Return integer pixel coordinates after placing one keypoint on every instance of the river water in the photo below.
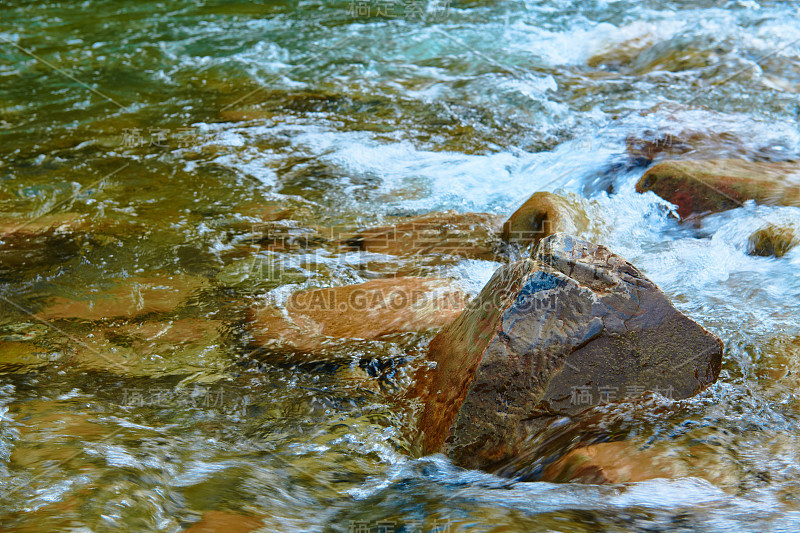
(175, 120)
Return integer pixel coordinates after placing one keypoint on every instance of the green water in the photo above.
(171, 127)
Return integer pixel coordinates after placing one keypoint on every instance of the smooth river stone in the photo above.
(367, 310)
(711, 186)
(625, 462)
(772, 241)
(542, 215)
(473, 235)
(552, 336)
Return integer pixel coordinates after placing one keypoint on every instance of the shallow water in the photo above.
(176, 120)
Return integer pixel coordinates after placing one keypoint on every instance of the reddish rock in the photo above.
(699, 187)
(471, 235)
(544, 214)
(554, 336)
(45, 240)
(363, 311)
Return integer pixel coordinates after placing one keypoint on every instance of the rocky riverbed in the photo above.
(434, 266)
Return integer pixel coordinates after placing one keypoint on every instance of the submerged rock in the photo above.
(624, 462)
(472, 235)
(649, 146)
(150, 348)
(772, 241)
(127, 298)
(21, 227)
(44, 419)
(779, 361)
(699, 187)
(20, 356)
(621, 54)
(608, 462)
(225, 522)
(27, 242)
(544, 214)
(283, 236)
(367, 310)
(35, 241)
(555, 335)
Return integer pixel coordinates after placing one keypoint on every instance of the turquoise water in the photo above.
(167, 125)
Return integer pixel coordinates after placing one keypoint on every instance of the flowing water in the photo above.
(167, 125)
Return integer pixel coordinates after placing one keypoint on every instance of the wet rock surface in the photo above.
(624, 462)
(772, 241)
(151, 348)
(367, 310)
(555, 335)
(148, 348)
(542, 215)
(472, 235)
(699, 187)
(608, 462)
(30, 242)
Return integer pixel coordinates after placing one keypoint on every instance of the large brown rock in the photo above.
(544, 214)
(367, 310)
(552, 336)
(699, 187)
(472, 235)
(621, 54)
